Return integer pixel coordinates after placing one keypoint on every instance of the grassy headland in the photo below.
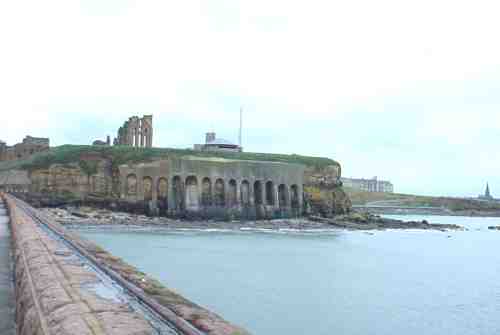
(67, 154)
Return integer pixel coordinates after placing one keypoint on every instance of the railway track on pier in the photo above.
(163, 320)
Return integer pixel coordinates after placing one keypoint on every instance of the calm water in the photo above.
(392, 282)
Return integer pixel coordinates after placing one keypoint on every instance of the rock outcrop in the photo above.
(323, 192)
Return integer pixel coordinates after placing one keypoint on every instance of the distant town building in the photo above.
(29, 146)
(136, 132)
(487, 194)
(212, 143)
(369, 185)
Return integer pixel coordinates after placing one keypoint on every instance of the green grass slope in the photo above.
(66, 154)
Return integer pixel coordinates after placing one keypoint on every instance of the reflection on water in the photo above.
(391, 282)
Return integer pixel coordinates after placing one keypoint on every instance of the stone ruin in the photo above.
(136, 132)
(29, 146)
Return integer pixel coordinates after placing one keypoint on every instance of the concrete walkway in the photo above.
(7, 305)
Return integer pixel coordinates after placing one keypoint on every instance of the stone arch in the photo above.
(206, 192)
(192, 193)
(162, 191)
(283, 195)
(245, 193)
(257, 190)
(147, 185)
(232, 193)
(295, 196)
(93, 184)
(131, 186)
(219, 193)
(270, 193)
(177, 193)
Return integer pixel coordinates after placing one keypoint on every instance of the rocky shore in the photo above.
(365, 221)
(90, 217)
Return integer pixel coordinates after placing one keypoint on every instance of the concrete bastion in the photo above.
(51, 297)
(56, 293)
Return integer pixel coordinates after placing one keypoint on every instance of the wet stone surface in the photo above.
(7, 305)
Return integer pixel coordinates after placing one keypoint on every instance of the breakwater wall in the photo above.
(58, 294)
(54, 292)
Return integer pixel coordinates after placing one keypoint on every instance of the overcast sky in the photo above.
(405, 90)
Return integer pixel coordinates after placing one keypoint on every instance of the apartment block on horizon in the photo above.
(369, 185)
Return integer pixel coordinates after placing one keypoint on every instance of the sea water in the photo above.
(341, 282)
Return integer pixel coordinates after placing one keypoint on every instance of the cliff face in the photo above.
(95, 177)
(323, 192)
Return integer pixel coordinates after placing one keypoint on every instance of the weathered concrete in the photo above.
(196, 187)
(7, 310)
(51, 289)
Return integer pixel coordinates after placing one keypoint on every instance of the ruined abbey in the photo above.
(136, 132)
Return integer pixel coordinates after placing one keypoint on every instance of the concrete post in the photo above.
(170, 195)
(276, 197)
(154, 195)
(251, 193)
(123, 188)
(238, 195)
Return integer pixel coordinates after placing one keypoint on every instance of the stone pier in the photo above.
(54, 292)
(57, 293)
(7, 315)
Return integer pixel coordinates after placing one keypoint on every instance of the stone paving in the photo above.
(7, 303)
(52, 294)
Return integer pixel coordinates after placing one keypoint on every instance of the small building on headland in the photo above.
(28, 147)
(212, 143)
(102, 143)
(369, 185)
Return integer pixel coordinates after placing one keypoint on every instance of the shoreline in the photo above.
(437, 212)
(104, 219)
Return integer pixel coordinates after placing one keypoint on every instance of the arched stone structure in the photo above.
(147, 184)
(270, 194)
(258, 191)
(219, 189)
(178, 194)
(131, 186)
(162, 191)
(192, 194)
(283, 196)
(245, 193)
(219, 194)
(295, 196)
(206, 192)
(232, 194)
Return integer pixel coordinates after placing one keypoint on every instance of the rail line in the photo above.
(163, 319)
